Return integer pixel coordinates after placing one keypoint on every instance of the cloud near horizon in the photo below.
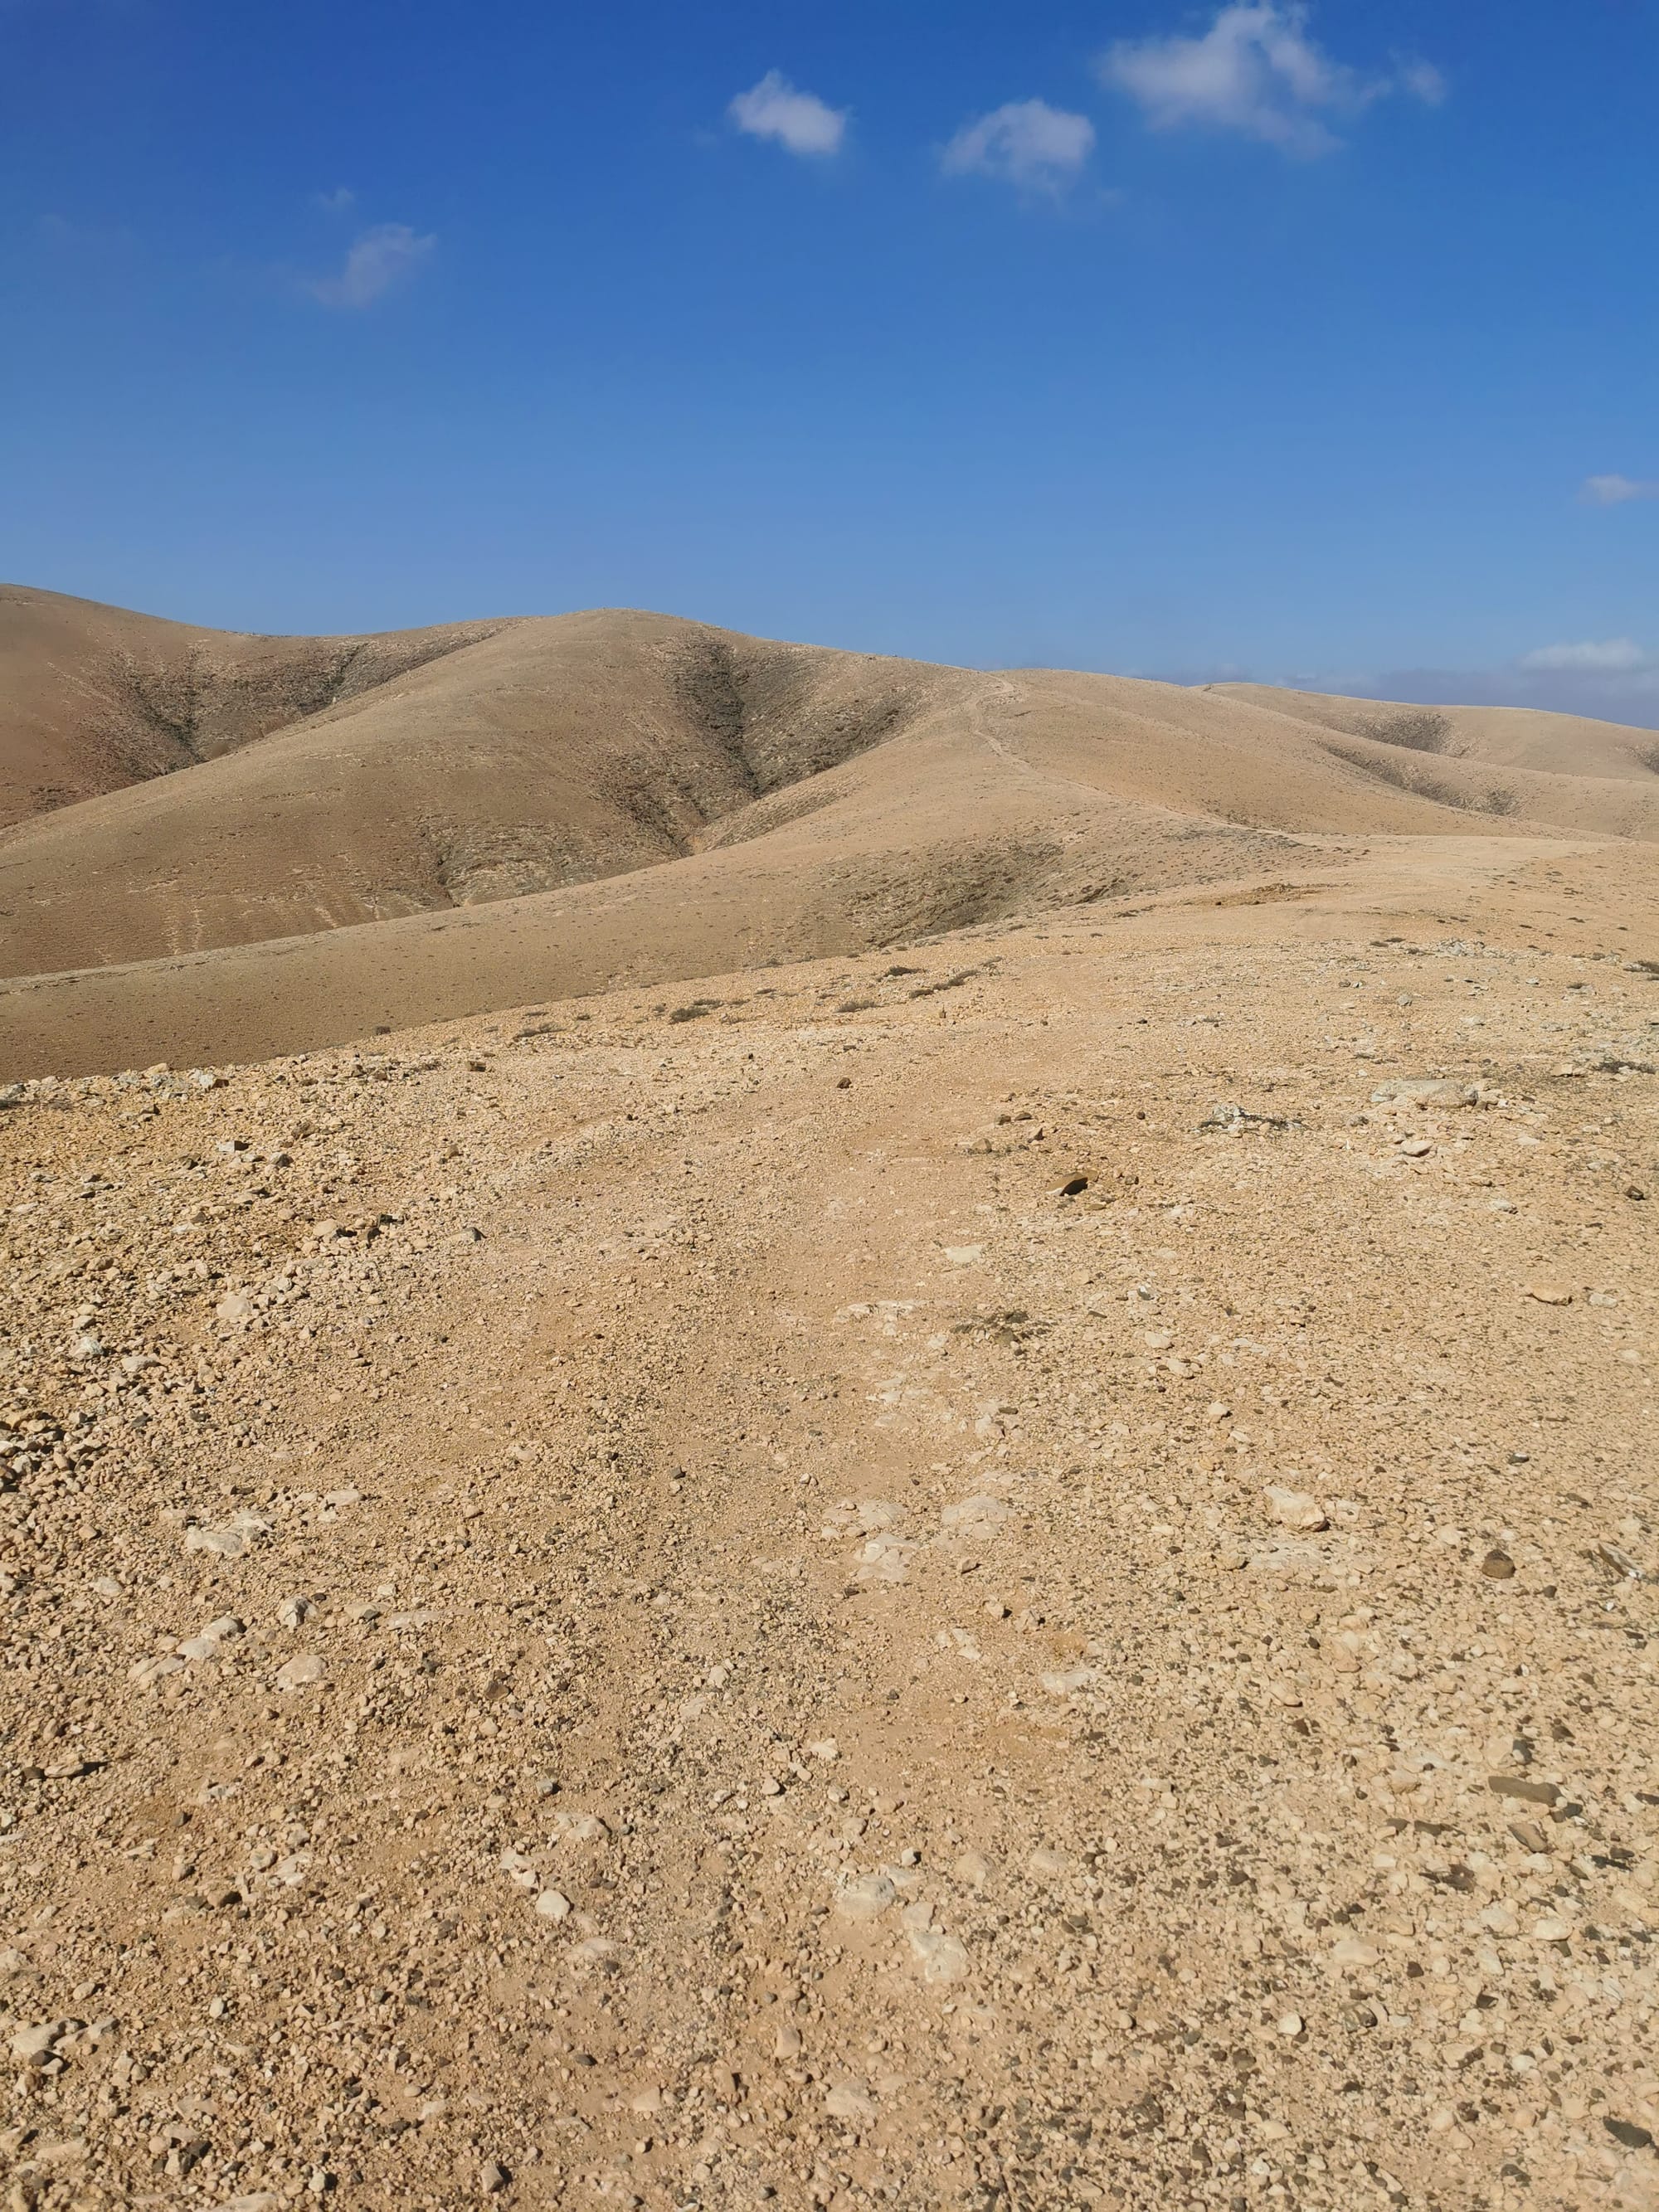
(1615, 491)
(1612, 656)
(1024, 143)
(377, 260)
(1257, 71)
(799, 121)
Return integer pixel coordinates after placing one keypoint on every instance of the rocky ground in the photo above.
(1016, 1575)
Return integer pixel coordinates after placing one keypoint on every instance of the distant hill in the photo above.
(483, 815)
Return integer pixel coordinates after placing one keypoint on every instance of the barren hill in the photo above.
(95, 698)
(1499, 737)
(567, 803)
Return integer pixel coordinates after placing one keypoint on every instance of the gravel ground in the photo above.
(1014, 1577)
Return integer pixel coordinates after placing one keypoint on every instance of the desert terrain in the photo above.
(781, 1429)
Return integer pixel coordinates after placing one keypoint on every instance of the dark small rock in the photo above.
(1627, 2132)
(1497, 1567)
(1533, 1793)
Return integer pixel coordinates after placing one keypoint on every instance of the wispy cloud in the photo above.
(1613, 491)
(340, 201)
(1025, 143)
(1257, 70)
(1608, 656)
(378, 260)
(799, 121)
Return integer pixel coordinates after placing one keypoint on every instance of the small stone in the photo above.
(1530, 1793)
(825, 1749)
(1351, 1952)
(1416, 1148)
(1289, 2024)
(1549, 1294)
(1158, 1339)
(553, 1905)
(1629, 2134)
(492, 2177)
(299, 1672)
(1497, 1567)
(787, 2043)
(1552, 1928)
(973, 1868)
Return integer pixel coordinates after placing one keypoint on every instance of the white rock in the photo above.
(976, 1517)
(1351, 1952)
(299, 1672)
(519, 1870)
(850, 2101)
(553, 1905)
(230, 1541)
(36, 2044)
(1068, 1682)
(206, 1642)
(1294, 1509)
(866, 1897)
(943, 1958)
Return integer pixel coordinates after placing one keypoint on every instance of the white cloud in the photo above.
(1424, 82)
(1026, 142)
(799, 121)
(1256, 70)
(340, 201)
(1613, 491)
(1610, 656)
(377, 259)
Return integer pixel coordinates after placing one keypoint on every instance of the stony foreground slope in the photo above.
(1014, 1577)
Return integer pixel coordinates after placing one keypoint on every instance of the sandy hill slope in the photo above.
(1012, 1579)
(578, 801)
(1500, 737)
(93, 698)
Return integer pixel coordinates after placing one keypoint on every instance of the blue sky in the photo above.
(1315, 345)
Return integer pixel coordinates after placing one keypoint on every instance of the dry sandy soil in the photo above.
(1006, 1568)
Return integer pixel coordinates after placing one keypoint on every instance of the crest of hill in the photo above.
(95, 698)
(1500, 737)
